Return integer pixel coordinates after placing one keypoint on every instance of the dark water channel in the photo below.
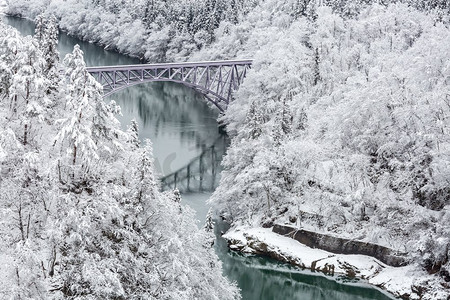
(184, 132)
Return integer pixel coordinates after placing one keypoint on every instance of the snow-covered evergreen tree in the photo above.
(76, 137)
(46, 33)
(350, 135)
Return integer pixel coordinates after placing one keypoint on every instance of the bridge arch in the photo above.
(213, 97)
(216, 80)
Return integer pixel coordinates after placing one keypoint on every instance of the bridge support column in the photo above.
(175, 180)
(213, 166)
(201, 171)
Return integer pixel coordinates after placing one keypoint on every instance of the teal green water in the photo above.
(182, 127)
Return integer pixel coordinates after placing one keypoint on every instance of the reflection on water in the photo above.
(202, 173)
(97, 55)
(176, 119)
(182, 128)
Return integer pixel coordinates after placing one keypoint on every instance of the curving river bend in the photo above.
(184, 132)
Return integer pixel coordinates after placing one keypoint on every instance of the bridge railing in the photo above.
(216, 80)
(240, 62)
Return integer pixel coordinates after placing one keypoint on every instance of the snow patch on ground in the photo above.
(398, 281)
(2, 6)
(5, 262)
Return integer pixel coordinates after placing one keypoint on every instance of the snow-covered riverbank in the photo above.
(405, 282)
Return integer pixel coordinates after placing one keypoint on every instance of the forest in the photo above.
(81, 212)
(341, 127)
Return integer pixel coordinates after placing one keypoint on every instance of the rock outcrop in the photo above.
(342, 246)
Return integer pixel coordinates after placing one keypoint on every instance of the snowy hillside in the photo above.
(341, 127)
(81, 213)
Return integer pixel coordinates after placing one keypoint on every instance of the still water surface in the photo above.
(184, 131)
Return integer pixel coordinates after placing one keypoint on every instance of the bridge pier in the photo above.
(201, 172)
(189, 178)
(213, 159)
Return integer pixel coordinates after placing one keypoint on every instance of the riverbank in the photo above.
(407, 282)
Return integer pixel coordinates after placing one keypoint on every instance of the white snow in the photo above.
(2, 6)
(365, 100)
(28, 257)
(397, 281)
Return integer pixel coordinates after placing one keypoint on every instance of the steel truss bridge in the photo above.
(216, 80)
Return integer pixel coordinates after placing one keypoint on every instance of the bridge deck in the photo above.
(240, 62)
(216, 80)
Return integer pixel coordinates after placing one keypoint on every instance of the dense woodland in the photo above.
(343, 124)
(342, 127)
(173, 30)
(81, 214)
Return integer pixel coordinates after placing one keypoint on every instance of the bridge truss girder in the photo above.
(215, 80)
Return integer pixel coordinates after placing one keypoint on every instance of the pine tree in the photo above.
(133, 133)
(49, 44)
(28, 84)
(39, 29)
(286, 117)
(11, 46)
(254, 121)
(150, 13)
(76, 135)
(234, 11)
(24, 185)
(145, 181)
(209, 228)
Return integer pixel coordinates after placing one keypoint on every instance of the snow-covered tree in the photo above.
(28, 86)
(76, 136)
(341, 125)
(46, 33)
(88, 221)
(350, 135)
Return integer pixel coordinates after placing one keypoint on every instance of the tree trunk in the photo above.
(20, 222)
(28, 226)
(74, 154)
(52, 262)
(74, 160)
(18, 282)
(25, 134)
(14, 104)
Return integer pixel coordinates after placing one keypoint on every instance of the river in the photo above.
(184, 131)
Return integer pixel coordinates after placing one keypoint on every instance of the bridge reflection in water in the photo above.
(202, 173)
